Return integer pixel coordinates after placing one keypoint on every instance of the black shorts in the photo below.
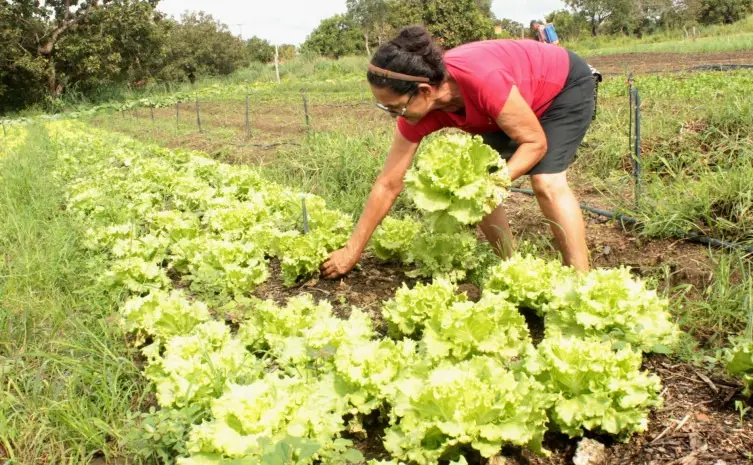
(565, 122)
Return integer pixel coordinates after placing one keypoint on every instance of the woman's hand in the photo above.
(340, 262)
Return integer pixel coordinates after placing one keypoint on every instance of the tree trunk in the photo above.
(366, 41)
(594, 27)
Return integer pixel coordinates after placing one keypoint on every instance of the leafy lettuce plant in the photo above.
(598, 389)
(476, 403)
(526, 280)
(738, 360)
(459, 176)
(611, 304)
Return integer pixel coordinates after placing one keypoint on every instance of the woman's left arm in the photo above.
(520, 123)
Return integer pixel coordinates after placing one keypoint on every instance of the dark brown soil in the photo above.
(644, 63)
(366, 287)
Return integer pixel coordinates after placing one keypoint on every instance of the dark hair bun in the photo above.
(415, 39)
(412, 52)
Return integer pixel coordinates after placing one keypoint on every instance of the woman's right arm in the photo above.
(387, 187)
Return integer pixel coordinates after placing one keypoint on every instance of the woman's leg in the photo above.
(559, 206)
(496, 228)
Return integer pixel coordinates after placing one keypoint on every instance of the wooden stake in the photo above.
(306, 111)
(277, 62)
(198, 113)
(248, 120)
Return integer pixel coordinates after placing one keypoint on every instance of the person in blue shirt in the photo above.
(545, 32)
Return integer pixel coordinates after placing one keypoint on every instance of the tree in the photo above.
(23, 72)
(371, 16)
(723, 11)
(485, 7)
(598, 11)
(201, 45)
(50, 47)
(335, 37)
(286, 51)
(452, 22)
(121, 43)
(508, 28)
(260, 50)
(570, 25)
(46, 23)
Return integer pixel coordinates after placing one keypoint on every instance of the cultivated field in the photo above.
(161, 299)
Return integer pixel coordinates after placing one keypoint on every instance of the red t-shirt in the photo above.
(486, 72)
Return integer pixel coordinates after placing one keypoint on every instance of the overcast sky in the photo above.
(290, 21)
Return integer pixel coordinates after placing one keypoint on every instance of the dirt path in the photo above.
(644, 63)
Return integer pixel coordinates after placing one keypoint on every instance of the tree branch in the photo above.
(46, 48)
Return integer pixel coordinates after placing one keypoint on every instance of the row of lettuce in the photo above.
(11, 139)
(187, 239)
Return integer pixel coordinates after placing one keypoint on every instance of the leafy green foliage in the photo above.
(260, 50)
(272, 408)
(452, 22)
(526, 280)
(477, 403)
(394, 238)
(723, 11)
(137, 275)
(162, 434)
(444, 254)
(451, 176)
(451, 327)
(738, 360)
(294, 378)
(598, 389)
(201, 45)
(302, 334)
(221, 269)
(611, 303)
(163, 314)
(410, 308)
(452, 253)
(335, 37)
(194, 368)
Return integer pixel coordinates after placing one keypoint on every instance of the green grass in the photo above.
(726, 38)
(68, 379)
(339, 167)
(725, 307)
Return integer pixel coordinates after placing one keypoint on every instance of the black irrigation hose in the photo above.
(694, 237)
(723, 67)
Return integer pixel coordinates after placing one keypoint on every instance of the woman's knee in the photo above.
(550, 186)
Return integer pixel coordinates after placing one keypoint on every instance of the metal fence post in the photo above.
(630, 106)
(637, 160)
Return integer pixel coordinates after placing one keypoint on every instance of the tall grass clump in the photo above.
(67, 382)
(340, 167)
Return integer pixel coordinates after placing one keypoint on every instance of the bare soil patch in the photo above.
(644, 63)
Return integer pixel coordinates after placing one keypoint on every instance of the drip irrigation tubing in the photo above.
(694, 237)
(722, 67)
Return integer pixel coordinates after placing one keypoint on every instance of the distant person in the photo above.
(545, 32)
(531, 102)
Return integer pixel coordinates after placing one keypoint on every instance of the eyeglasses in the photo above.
(395, 112)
